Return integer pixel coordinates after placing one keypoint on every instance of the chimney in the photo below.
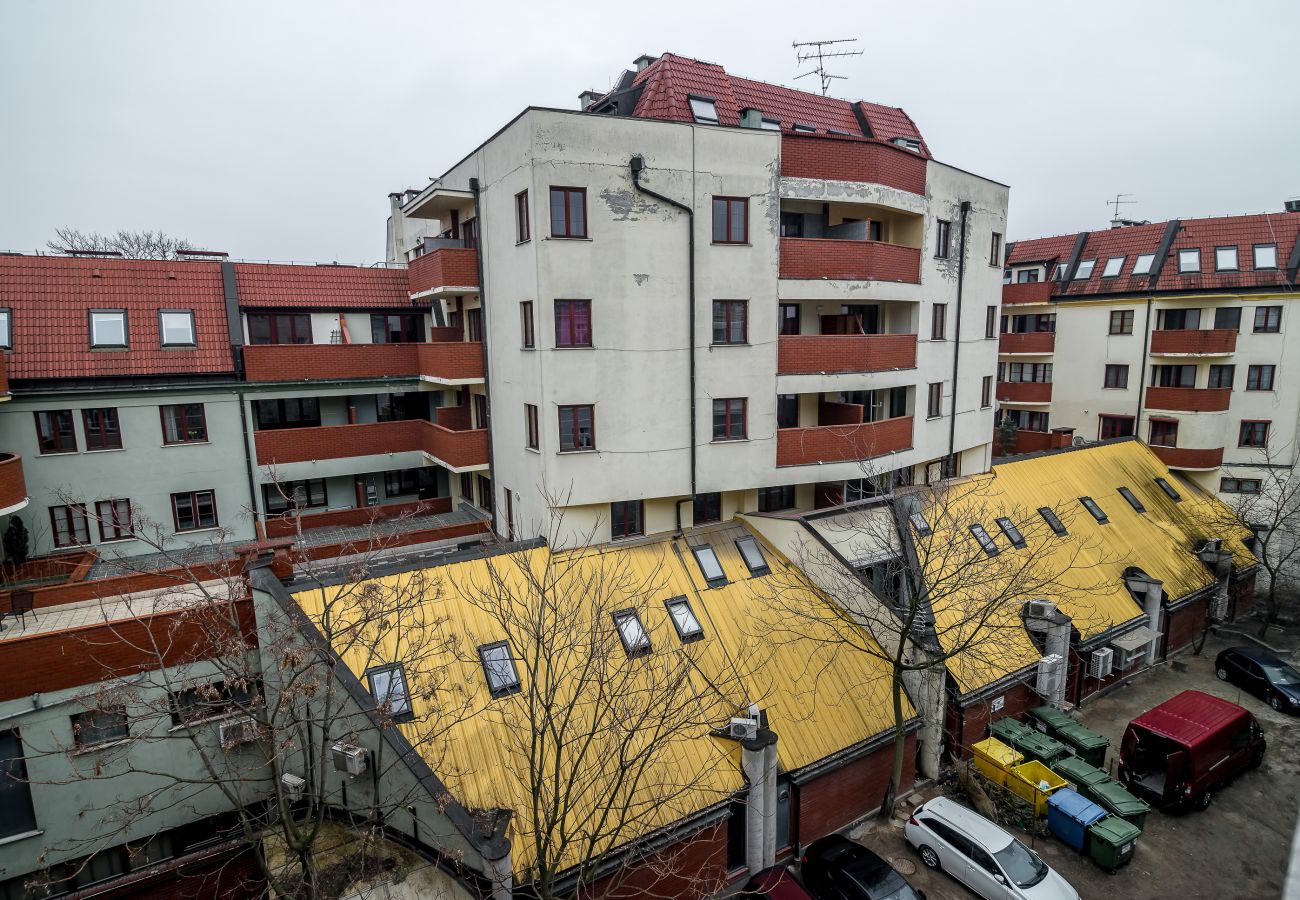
(642, 61)
(586, 98)
(1062, 437)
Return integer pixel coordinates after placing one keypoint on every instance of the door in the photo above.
(983, 874)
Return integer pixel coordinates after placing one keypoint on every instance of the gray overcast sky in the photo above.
(275, 129)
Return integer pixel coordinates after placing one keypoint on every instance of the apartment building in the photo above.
(704, 295)
(1177, 334)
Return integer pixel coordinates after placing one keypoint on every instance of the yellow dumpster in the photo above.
(1035, 782)
(994, 760)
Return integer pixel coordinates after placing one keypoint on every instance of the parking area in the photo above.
(1238, 848)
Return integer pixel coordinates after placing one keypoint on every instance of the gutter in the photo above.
(474, 188)
(956, 347)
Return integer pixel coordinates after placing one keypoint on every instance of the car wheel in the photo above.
(1275, 703)
(1256, 758)
(929, 857)
(1203, 801)
(1222, 674)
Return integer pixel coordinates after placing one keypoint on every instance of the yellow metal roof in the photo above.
(1081, 572)
(482, 757)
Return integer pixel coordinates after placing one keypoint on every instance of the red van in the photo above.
(1183, 750)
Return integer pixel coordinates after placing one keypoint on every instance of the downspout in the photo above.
(482, 302)
(1142, 368)
(637, 165)
(956, 347)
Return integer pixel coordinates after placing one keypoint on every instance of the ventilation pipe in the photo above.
(1151, 592)
(1043, 618)
(1220, 563)
(758, 762)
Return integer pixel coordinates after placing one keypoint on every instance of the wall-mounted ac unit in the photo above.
(742, 729)
(294, 786)
(1040, 609)
(234, 732)
(1101, 663)
(350, 759)
(1051, 676)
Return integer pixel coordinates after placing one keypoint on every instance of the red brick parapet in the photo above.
(828, 258)
(1029, 342)
(301, 362)
(1024, 391)
(290, 445)
(1027, 292)
(444, 267)
(1194, 340)
(1189, 399)
(1190, 457)
(811, 354)
(13, 487)
(836, 158)
(283, 525)
(842, 443)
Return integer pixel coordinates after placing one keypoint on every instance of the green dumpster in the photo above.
(1112, 797)
(1007, 730)
(1081, 776)
(1033, 744)
(1111, 842)
(1087, 745)
(1049, 719)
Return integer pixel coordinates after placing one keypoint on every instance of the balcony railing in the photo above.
(285, 524)
(450, 361)
(1217, 341)
(13, 486)
(1025, 391)
(1027, 292)
(812, 354)
(842, 443)
(1189, 457)
(1029, 342)
(852, 159)
(445, 270)
(829, 258)
(457, 448)
(1189, 399)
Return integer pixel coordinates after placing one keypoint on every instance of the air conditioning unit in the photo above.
(234, 732)
(1101, 663)
(742, 729)
(294, 786)
(350, 759)
(1051, 676)
(1040, 609)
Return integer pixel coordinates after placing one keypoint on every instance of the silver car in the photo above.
(981, 855)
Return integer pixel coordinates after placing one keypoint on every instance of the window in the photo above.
(474, 324)
(1053, 521)
(1114, 266)
(938, 321)
(176, 327)
(1227, 318)
(68, 525)
(1132, 499)
(934, 401)
(521, 217)
(1116, 376)
(1260, 378)
(770, 124)
(636, 642)
(1084, 272)
(54, 431)
(1253, 434)
(626, 519)
(208, 701)
(194, 509)
(568, 212)
(102, 429)
(707, 508)
(991, 322)
(1121, 321)
(1026, 420)
(1012, 533)
(684, 620)
(17, 816)
(529, 338)
(729, 419)
(306, 494)
(108, 328)
(1222, 376)
(1178, 319)
(183, 423)
(573, 323)
(775, 499)
(1169, 490)
(499, 669)
(1027, 276)
(397, 328)
(730, 220)
(279, 328)
(1115, 427)
(752, 554)
(577, 428)
(942, 239)
(789, 316)
(730, 321)
(1239, 485)
(1173, 376)
(401, 482)
(291, 412)
(100, 726)
(986, 392)
(1142, 265)
(1037, 373)
(114, 517)
(389, 688)
(1225, 259)
(6, 328)
(704, 110)
(1164, 433)
(995, 250)
(1091, 506)
(986, 542)
(1058, 274)
(531, 437)
(709, 565)
(1268, 319)
(804, 129)
(1265, 256)
(1189, 261)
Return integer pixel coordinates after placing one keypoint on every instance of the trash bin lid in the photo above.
(1052, 716)
(1119, 800)
(1077, 770)
(1081, 737)
(1039, 744)
(1076, 806)
(1114, 830)
(999, 752)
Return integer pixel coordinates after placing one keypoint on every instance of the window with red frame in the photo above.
(1253, 434)
(1260, 378)
(730, 321)
(54, 431)
(1116, 376)
(526, 324)
(573, 323)
(577, 427)
(474, 324)
(986, 392)
(102, 429)
(568, 212)
(530, 427)
(939, 322)
(114, 518)
(68, 525)
(1114, 426)
(397, 328)
(626, 519)
(1268, 319)
(934, 400)
(192, 510)
(521, 217)
(730, 220)
(990, 322)
(729, 419)
(183, 423)
(1164, 433)
(279, 328)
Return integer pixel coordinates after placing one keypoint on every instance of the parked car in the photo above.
(836, 868)
(776, 883)
(980, 855)
(1262, 674)
(1182, 751)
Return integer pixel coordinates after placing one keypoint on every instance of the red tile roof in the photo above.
(51, 296)
(323, 287)
(670, 81)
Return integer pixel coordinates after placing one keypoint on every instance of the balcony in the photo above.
(1189, 399)
(835, 158)
(837, 259)
(452, 362)
(816, 354)
(1024, 391)
(13, 487)
(283, 525)
(1194, 342)
(1190, 458)
(1028, 292)
(842, 443)
(458, 450)
(1029, 342)
(444, 271)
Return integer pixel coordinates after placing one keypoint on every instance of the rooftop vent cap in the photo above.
(1293, 205)
(642, 61)
(586, 98)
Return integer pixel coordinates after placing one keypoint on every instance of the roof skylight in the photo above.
(1169, 490)
(631, 632)
(709, 565)
(1265, 256)
(752, 554)
(704, 110)
(918, 522)
(1013, 535)
(1132, 499)
(1053, 521)
(985, 539)
(499, 667)
(1084, 271)
(1091, 506)
(1114, 266)
(1142, 265)
(1225, 259)
(684, 620)
(1189, 261)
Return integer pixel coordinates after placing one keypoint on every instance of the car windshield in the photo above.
(1021, 864)
(1282, 674)
(883, 883)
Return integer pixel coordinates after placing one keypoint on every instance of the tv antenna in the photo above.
(819, 53)
(1118, 202)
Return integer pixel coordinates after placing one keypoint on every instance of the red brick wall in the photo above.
(448, 267)
(854, 260)
(1024, 391)
(962, 731)
(456, 448)
(1185, 625)
(811, 353)
(1029, 292)
(843, 795)
(1029, 342)
(454, 417)
(841, 443)
(830, 412)
(442, 334)
(294, 362)
(452, 360)
(1190, 457)
(694, 868)
(286, 445)
(1198, 340)
(852, 159)
(1189, 399)
(227, 876)
(279, 526)
(1081, 685)
(13, 487)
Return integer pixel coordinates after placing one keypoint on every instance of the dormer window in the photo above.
(707, 559)
(704, 110)
(176, 327)
(1091, 506)
(1014, 537)
(108, 328)
(684, 620)
(907, 144)
(388, 687)
(1189, 261)
(770, 124)
(1114, 266)
(803, 129)
(1142, 265)
(1053, 521)
(499, 668)
(1084, 272)
(1058, 274)
(986, 541)
(632, 633)
(753, 555)
(1169, 490)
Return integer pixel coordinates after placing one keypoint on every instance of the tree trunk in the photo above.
(900, 751)
(1270, 605)
(308, 888)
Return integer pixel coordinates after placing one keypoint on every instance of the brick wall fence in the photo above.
(799, 354)
(852, 159)
(850, 260)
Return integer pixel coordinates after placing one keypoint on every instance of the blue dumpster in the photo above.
(1069, 814)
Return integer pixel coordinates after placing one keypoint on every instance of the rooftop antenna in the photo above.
(819, 53)
(1117, 203)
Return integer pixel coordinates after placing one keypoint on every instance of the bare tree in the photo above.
(131, 244)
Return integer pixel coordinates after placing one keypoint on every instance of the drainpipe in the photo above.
(956, 346)
(637, 165)
(482, 302)
(1142, 370)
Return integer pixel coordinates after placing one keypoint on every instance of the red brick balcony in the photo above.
(1190, 458)
(1211, 342)
(300, 362)
(1028, 292)
(852, 159)
(1189, 399)
(842, 443)
(13, 487)
(449, 269)
(283, 525)
(1030, 342)
(827, 258)
(812, 354)
(457, 448)
(1024, 391)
